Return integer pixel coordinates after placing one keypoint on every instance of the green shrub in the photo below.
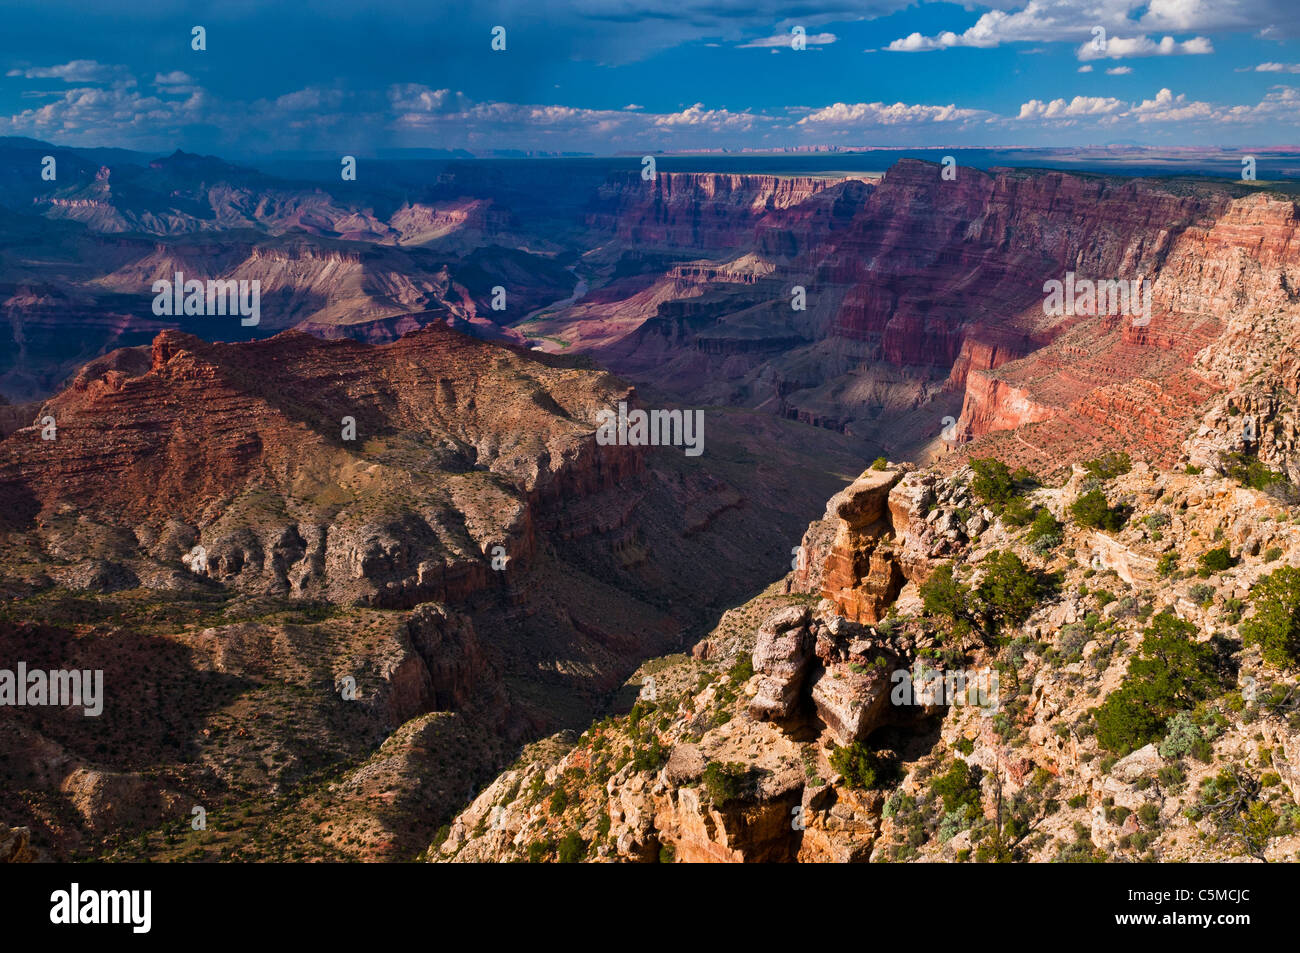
(958, 787)
(1044, 524)
(725, 782)
(1072, 639)
(1117, 815)
(880, 463)
(956, 822)
(1109, 465)
(1093, 511)
(651, 757)
(1172, 776)
(1232, 801)
(942, 595)
(1181, 736)
(1272, 554)
(1125, 724)
(1008, 590)
(1023, 476)
(559, 801)
(1006, 595)
(1275, 626)
(1171, 673)
(1215, 560)
(1167, 565)
(992, 483)
(742, 671)
(572, 848)
(1250, 471)
(898, 803)
(1156, 521)
(1044, 545)
(1017, 512)
(1045, 532)
(862, 767)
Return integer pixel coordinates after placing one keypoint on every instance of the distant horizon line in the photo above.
(431, 152)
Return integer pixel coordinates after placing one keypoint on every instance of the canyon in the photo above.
(237, 530)
(922, 298)
(344, 566)
(782, 736)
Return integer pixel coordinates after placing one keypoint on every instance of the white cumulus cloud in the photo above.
(1076, 107)
(1120, 47)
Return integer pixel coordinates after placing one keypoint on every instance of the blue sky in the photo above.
(608, 76)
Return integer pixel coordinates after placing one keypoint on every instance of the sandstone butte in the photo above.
(473, 562)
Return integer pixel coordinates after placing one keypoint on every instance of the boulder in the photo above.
(783, 652)
(685, 765)
(851, 703)
(1142, 763)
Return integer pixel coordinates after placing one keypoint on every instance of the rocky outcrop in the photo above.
(16, 847)
(204, 431)
(861, 576)
(701, 211)
(1286, 757)
(926, 513)
(447, 669)
(710, 775)
(851, 688)
(887, 529)
(753, 826)
(829, 666)
(1132, 567)
(782, 657)
(892, 527)
(993, 404)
